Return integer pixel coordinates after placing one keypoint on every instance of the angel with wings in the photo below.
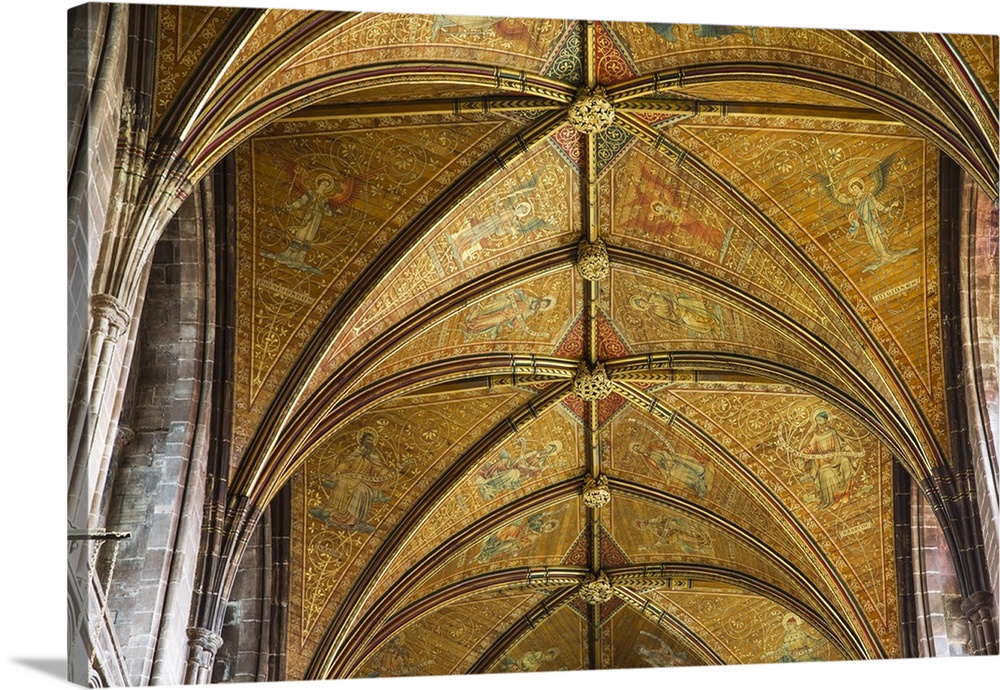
(863, 197)
(323, 198)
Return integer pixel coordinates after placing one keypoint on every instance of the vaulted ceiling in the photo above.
(581, 344)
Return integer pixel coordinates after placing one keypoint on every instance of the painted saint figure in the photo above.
(530, 661)
(690, 313)
(510, 539)
(672, 531)
(662, 214)
(513, 217)
(482, 27)
(355, 484)
(798, 645)
(828, 460)
(394, 660)
(507, 311)
(674, 466)
(507, 473)
(669, 32)
(662, 657)
(867, 209)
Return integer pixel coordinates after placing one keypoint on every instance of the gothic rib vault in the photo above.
(580, 345)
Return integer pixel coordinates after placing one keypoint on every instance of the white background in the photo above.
(32, 532)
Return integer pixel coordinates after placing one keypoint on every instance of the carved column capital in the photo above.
(979, 610)
(596, 492)
(205, 639)
(592, 384)
(592, 259)
(202, 646)
(109, 314)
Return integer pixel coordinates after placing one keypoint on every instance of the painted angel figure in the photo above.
(323, 198)
(863, 198)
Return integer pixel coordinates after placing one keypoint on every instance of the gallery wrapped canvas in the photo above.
(411, 344)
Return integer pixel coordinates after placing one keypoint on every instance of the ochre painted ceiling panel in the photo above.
(770, 322)
(312, 212)
(528, 208)
(532, 315)
(978, 85)
(659, 47)
(184, 35)
(982, 53)
(558, 643)
(660, 209)
(642, 451)
(631, 641)
(537, 536)
(352, 491)
(861, 203)
(746, 628)
(657, 315)
(448, 639)
(387, 39)
(828, 470)
(768, 92)
(651, 533)
(548, 451)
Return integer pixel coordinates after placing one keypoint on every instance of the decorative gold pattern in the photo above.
(746, 628)
(597, 590)
(353, 488)
(596, 493)
(591, 112)
(805, 242)
(592, 260)
(592, 383)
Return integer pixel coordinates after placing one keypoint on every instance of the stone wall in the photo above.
(244, 653)
(942, 629)
(981, 340)
(95, 77)
(158, 480)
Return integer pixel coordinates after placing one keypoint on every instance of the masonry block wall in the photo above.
(95, 76)
(942, 629)
(981, 317)
(96, 57)
(159, 476)
(243, 657)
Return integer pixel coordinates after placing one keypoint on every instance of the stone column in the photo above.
(203, 644)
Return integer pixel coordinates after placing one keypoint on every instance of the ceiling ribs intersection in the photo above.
(592, 261)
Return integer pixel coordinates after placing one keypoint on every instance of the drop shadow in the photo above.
(50, 667)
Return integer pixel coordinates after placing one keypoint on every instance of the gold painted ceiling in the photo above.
(500, 461)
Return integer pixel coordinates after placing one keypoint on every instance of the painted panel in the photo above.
(351, 492)
(311, 215)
